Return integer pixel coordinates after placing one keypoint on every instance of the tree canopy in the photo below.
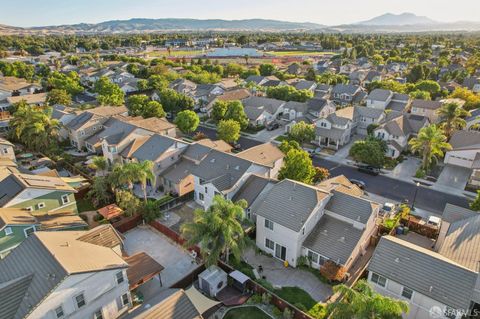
(187, 121)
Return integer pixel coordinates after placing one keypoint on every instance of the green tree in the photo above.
(175, 102)
(289, 93)
(99, 192)
(141, 105)
(267, 69)
(472, 100)
(362, 301)
(128, 202)
(370, 151)
(218, 110)
(100, 164)
(297, 165)
(321, 174)
(420, 95)
(59, 96)
(302, 132)
(218, 230)
(69, 82)
(236, 112)
(452, 118)
(109, 93)
(286, 146)
(187, 121)
(228, 130)
(431, 143)
(475, 205)
(429, 86)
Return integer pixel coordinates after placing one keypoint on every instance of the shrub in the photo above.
(266, 298)
(277, 312)
(420, 173)
(255, 299)
(287, 313)
(318, 311)
(332, 271)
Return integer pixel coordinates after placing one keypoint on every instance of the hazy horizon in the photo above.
(27, 13)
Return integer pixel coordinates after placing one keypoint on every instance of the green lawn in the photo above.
(296, 296)
(84, 205)
(246, 313)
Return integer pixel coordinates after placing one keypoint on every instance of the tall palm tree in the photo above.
(144, 172)
(125, 174)
(99, 163)
(452, 118)
(431, 142)
(362, 301)
(218, 230)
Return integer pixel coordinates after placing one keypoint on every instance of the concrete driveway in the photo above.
(175, 259)
(406, 169)
(454, 176)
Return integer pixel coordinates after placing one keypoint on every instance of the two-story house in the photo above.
(347, 94)
(379, 99)
(432, 284)
(13, 86)
(262, 110)
(397, 129)
(66, 274)
(426, 108)
(6, 150)
(335, 130)
(367, 116)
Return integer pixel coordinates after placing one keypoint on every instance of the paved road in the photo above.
(427, 199)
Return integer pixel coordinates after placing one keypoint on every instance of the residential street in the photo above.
(428, 199)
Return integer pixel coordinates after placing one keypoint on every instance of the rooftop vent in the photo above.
(342, 239)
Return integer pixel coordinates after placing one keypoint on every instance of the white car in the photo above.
(388, 209)
(434, 221)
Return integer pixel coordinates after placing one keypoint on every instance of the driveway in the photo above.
(268, 136)
(406, 169)
(278, 275)
(454, 176)
(175, 259)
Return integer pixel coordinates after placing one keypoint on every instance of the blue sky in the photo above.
(55, 12)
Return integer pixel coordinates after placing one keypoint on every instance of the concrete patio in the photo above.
(279, 276)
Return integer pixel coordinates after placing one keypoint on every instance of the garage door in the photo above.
(459, 161)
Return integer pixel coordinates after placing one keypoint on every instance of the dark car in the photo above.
(369, 170)
(359, 183)
(272, 126)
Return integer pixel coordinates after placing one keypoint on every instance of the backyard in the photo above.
(246, 313)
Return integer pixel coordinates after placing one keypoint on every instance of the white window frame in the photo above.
(29, 208)
(56, 313)
(128, 299)
(201, 196)
(28, 228)
(95, 316)
(8, 231)
(377, 281)
(271, 241)
(76, 301)
(65, 199)
(41, 205)
(411, 294)
(268, 224)
(311, 254)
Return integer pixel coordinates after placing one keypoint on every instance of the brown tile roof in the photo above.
(141, 268)
(342, 184)
(11, 83)
(218, 145)
(38, 98)
(110, 211)
(153, 124)
(265, 154)
(16, 216)
(103, 235)
(233, 95)
(108, 110)
(61, 221)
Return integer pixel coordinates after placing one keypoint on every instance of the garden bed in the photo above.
(249, 312)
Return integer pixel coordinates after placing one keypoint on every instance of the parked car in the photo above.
(272, 126)
(388, 209)
(369, 170)
(359, 183)
(310, 151)
(434, 221)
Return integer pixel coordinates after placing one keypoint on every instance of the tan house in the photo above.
(6, 150)
(426, 108)
(267, 155)
(31, 99)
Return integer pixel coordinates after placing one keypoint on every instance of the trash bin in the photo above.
(399, 230)
(405, 230)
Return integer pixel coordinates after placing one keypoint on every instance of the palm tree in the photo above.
(125, 174)
(246, 57)
(218, 230)
(99, 163)
(431, 142)
(144, 172)
(451, 117)
(362, 301)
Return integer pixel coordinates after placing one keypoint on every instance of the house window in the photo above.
(82, 133)
(269, 244)
(407, 293)
(124, 299)
(65, 199)
(5, 151)
(206, 190)
(59, 312)
(379, 280)
(28, 231)
(41, 205)
(268, 224)
(8, 231)
(200, 196)
(323, 124)
(30, 208)
(80, 301)
(119, 276)
(98, 314)
(313, 256)
(322, 260)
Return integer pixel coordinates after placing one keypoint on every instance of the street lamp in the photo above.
(415, 195)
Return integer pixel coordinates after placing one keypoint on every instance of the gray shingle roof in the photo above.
(380, 95)
(9, 188)
(424, 271)
(270, 105)
(179, 170)
(453, 213)
(423, 104)
(465, 140)
(297, 106)
(196, 151)
(354, 208)
(155, 146)
(333, 133)
(79, 120)
(290, 203)
(345, 89)
(304, 85)
(223, 170)
(334, 239)
(369, 112)
(252, 188)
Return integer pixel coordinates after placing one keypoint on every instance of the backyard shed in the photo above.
(212, 280)
(239, 280)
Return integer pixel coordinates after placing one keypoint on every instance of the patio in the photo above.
(279, 276)
(176, 261)
(151, 192)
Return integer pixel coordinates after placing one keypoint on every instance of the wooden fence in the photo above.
(127, 223)
(173, 235)
(176, 202)
(414, 225)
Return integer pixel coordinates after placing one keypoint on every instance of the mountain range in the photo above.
(405, 22)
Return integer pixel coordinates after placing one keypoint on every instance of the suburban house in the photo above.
(6, 150)
(41, 195)
(335, 130)
(233, 95)
(429, 281)
(64, 115)
(386, 99)
(36, 99)
(294, 110)
(397, 129)
(319, 107)
(465, 149)
(200, 93)
(426, 108)
(90, 122)
(347, 94)
(472, 83)
(266, 154)
(294, 219)
(305, 85)
(473, 121)
(13, 86)
(64, 274)
(261, 110)
(366, 117)
(220, 173)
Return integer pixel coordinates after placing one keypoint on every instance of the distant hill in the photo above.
(398, 20)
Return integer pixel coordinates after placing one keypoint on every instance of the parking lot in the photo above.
(177, 262)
